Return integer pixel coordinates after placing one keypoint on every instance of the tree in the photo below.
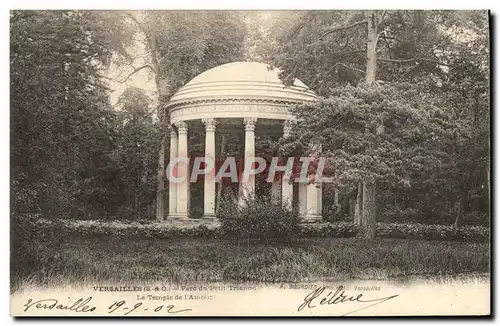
(60, 110)
(412, 145)
(137, 138)
(363, 46)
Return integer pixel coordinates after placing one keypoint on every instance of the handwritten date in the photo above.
(122, 306)
(85, 306)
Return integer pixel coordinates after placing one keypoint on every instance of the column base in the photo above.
(209, 217)
(311, 219)
(178, 217)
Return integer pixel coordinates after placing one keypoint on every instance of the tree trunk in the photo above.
(488, 181)
(352, 203)
(135, 200)
(368, 216)
(164, 93)
(160, 191)
(219, 190)
(358, 209)
(371, 47)
(368, 211)
(457, 218)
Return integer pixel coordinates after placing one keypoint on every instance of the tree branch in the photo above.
(348, 67)
(137, 70)
(383, 34)
(333, 67)
(339, 28)
(392, 38)
(149, 39)
(382, 16)
(151, 45)
(137, 23)
(338, 54)
(402, 61)
(296, 32)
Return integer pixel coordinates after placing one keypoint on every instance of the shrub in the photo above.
(31, 235)
(399, 230)
(432, 232)
(337, 230)
(263, 220)
(142, 229)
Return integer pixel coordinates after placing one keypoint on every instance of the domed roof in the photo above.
(241, 81)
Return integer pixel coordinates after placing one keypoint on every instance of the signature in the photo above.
(319, 296)
(84, 305)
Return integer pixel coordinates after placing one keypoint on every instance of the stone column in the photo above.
(183, 171)
(209, 190)
(287, 185)
(314, 193)
(302, 188)
(286, 192)
(248, 187)
(172, 186)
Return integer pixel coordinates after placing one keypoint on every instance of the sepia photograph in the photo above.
(305, 163)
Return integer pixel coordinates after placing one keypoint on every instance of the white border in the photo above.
(186, 4)
(257, 5)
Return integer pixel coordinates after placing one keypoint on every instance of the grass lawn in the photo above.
(92, 261)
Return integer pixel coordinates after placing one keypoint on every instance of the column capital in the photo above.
(210, 124)
(182, 127)
(287, 127)
(250, 123)
(173, 133)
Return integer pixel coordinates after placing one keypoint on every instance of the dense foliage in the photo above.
(75, 155)
(44, 231)
(263, 220)
(422, 131)
(63, 127)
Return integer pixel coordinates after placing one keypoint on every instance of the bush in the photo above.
(31, 235)
(137, 229)
(399, 230)
(336, 230)
(263, 220)
(433, 232)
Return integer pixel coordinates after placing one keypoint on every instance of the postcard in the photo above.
(329, 163)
